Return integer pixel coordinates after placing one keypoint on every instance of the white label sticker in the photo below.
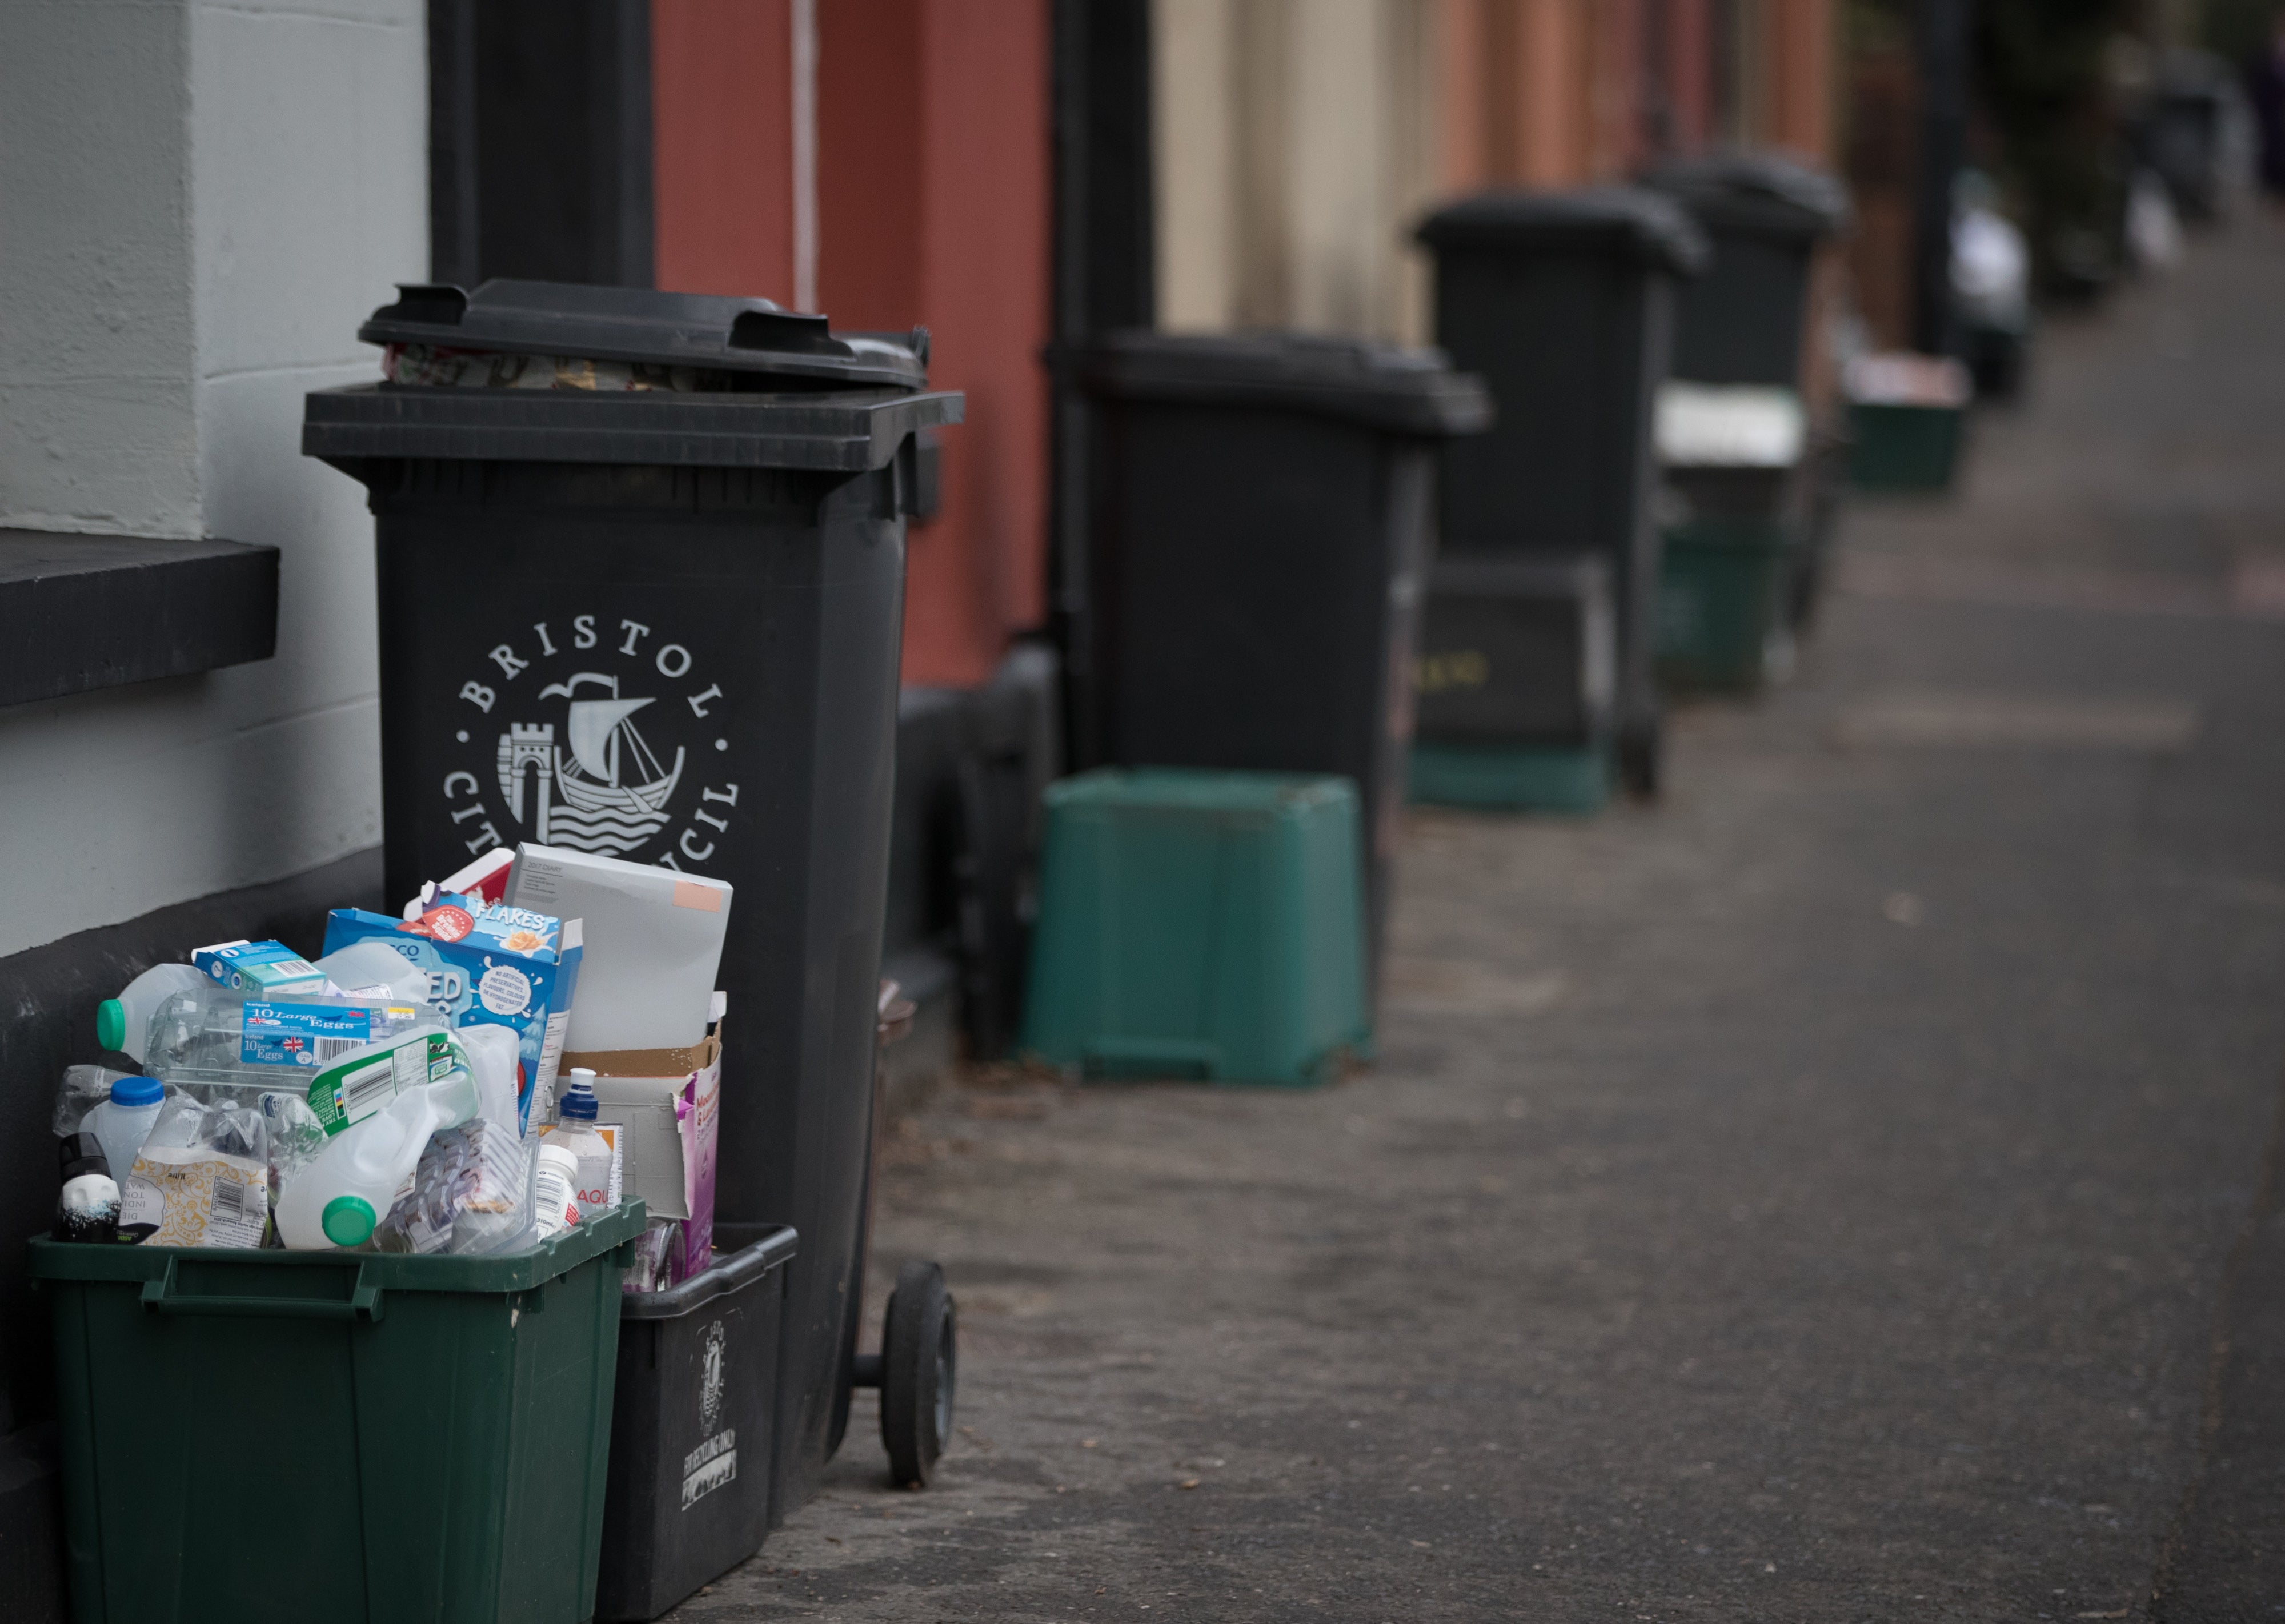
(709, 1467)
(505, 990)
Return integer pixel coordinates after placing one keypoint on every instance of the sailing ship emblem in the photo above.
(608, 794)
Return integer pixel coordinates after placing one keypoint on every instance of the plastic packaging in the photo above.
(124, 1119)
(87, 1207)
(340, 1196)
(471, 1194)
(210, 1035)
(81, 1090)
(202, 1179)
(123, 1025)
(554, 1177)
(472, 1188)
(373, 968)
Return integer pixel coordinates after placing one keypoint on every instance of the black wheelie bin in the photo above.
(697, 505)
(1563, 302)
(1749, 512)
(1261, 510)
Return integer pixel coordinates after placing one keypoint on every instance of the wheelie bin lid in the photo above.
(1765, 194)
(1382, 386)
(552, 372)
(1643, 226)
(759, 344)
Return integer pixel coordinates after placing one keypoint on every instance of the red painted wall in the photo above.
(722, 146)
(933, 178)
(932, 205)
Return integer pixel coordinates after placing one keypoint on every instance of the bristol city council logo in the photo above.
(603, 742)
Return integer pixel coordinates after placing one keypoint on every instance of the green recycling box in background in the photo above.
(1901, 447)
(1200, 925)
(1723, 623)
(356, 1437)
(1907, 415)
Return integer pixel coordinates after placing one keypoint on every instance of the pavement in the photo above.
(1846, 1189)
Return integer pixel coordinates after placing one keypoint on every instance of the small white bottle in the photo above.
(554, 1206)
(596, 1182)
(124, 1121)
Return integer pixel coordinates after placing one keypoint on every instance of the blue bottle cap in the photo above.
(136, 1091)
(579, 1103)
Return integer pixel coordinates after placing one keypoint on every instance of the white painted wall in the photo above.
(1293, 151)
(199, 202)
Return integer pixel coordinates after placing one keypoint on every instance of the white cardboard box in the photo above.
(669, 1101)
(653, 944)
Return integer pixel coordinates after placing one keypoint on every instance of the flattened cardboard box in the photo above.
(670, 1102)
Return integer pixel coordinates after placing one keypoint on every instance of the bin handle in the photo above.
(160, 1296)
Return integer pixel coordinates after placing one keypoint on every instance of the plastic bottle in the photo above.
(595, 1181)
(123, 1121)
(554, 1205)
(205, 1034)
(87, 1208)
(123, 1025)
(340, 1196)
(373, 968)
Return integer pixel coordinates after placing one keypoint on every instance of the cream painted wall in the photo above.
(1294, 150)
(199, 202)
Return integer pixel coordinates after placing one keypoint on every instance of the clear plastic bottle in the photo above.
(212, 1034)
(554, 1179)
(123, 1025)
(123, 1121)
(595, 1184)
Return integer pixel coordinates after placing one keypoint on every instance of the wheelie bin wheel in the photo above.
(919, 1368)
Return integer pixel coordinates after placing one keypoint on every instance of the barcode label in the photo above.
(330, 1049)
(236, 1214)
(367, 1091)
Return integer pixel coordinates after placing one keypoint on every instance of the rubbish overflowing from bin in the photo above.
(400, 1093)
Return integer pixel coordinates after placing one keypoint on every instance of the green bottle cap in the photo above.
(348, 1221)
(110, 1025)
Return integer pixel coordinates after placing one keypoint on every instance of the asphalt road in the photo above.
(1845, 1191)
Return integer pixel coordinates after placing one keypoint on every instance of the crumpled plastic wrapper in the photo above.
(433, 366)
(471, 1194)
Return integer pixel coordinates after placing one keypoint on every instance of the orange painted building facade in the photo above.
(927, 156)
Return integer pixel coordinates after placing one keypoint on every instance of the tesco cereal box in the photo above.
(488, 965)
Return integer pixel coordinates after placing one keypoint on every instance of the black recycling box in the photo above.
(641, 576)
(1517, 648)
(687, 1497)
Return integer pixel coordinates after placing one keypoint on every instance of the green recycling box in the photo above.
(1723, 624)
(1904, 446)
(1200, 925)
(253, 1437)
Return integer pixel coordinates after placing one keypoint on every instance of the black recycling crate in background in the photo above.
(1563, 302)
(687, 1494)
(1514, 648)
(1262, 507)
(706, 515)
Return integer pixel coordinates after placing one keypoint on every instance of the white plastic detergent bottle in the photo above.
(348, 1188)
(123, 1121)
(123, 1025)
